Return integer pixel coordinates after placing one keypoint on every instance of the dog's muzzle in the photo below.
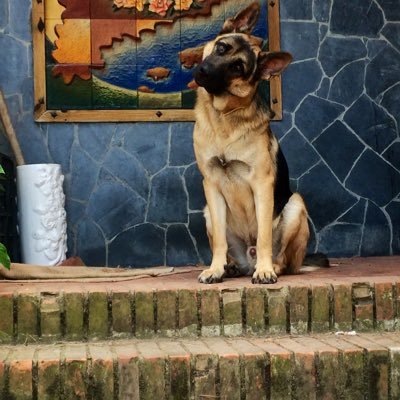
(210, 78)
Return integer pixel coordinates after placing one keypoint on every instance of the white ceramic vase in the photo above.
(41, 213)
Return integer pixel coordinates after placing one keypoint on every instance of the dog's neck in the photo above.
(228, 104)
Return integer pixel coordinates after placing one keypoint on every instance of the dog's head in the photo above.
(233, 63)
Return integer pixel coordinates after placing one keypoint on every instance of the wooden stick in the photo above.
(10, 133)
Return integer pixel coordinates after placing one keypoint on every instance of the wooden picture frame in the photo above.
(43, 113)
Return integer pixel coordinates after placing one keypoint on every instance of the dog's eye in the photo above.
(237, 67)
(220, 48)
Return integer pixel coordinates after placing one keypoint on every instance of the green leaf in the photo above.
(4, 257)
(1, 170)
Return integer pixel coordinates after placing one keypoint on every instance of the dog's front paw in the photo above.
(265, 276)
(210, 276)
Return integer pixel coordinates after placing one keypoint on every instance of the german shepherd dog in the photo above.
(250, 207)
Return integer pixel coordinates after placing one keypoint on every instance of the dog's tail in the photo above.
(316, 259)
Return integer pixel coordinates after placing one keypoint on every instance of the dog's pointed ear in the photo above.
(270, 64)
(244, 21)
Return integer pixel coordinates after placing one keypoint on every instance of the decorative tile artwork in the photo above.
(129, 54)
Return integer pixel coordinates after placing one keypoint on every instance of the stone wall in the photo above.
(134, 194)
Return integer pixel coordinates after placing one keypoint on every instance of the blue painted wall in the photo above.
(134, 195)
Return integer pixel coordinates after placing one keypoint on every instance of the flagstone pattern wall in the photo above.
(134, 194)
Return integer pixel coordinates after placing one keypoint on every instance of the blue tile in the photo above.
(340, 240)
(149, 143)
(374, 179)
(334, 53)
(312, 123)
(75, 211)
(375, 46)
(391, 101)
(295, 88)
(348, 84)
(32, 140)
(386, 66)
(14, 71)
(197, 227)
(391, 9)
(371, 123)
(280, 128)
(324, 88)
(115, 208)
(90, 244)
(301, 39)
(168, 200)
(356, 17)
(141, 246)
(299, 9)
(181, 152)
(94, 140)
(20, 22)
(84, 172)
(180, 247)
(393, 210)
(299, 154)
(128, 169)
(4, 14)
(356, 214)
(339, 148)
(60, 138)
(194, 185)
(392, 154)
(321, 10)
(376, 237)
(325, 197)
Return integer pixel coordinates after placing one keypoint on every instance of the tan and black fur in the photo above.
(246, 182)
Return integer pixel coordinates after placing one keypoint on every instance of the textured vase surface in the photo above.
(41, 213)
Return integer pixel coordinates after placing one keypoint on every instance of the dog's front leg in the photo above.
(217, 207)
(264, 202)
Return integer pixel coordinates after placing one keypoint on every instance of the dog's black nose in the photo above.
(203, 70)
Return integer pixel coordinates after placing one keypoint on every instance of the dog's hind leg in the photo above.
(292, 236)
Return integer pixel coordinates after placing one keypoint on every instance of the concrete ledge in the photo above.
(360, 294)
(318, 366)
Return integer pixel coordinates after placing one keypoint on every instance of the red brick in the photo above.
(298, 305)
(210, 313)
(73, 314)
(144, 314)
(377, 367)
(49, 383)
(320, 308)
(128, 370)
(75, 371)
(152, 367)
(304, 374)
(7, 318)
(276, 306)
(50, 321)
(330, 380)
(232, 312)
(122, 324)
(98, 325)
(280, 369)
(363, 307)
(28, 305)
(255, 311)
(204, 369)
(166, 312)
(343, 308)
(20, 373)
(101, 372)
(384, 306)
(187, 313)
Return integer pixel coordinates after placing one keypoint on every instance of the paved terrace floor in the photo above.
(342, 270)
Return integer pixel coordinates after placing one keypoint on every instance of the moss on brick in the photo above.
(73, 316)
(98, 315)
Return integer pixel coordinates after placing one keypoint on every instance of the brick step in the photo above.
(362, 295)
(325, 366)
